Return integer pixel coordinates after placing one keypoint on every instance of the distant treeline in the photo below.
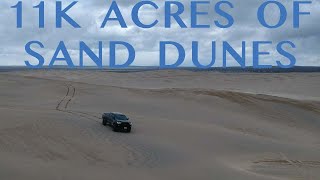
(150, 68)
(269, 70)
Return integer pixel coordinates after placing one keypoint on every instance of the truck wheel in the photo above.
(115, 129)
(104, 122)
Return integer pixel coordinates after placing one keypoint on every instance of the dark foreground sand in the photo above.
(187, 125)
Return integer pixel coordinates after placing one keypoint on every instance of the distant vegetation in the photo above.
(149, 68)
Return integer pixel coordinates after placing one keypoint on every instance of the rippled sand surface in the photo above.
(187, 125)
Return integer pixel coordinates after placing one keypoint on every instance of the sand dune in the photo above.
(187, 125)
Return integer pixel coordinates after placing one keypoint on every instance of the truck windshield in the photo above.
(120, 117)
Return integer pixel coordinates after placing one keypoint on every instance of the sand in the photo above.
(187, 125)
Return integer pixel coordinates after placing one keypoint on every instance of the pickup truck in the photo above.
(117, 121)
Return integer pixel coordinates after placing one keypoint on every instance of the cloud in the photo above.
(90, 14)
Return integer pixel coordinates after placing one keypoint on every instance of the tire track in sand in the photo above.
(67, 98)
(302, 168)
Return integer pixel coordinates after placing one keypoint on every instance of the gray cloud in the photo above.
(90, 14)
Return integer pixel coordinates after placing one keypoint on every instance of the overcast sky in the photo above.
(90, 13)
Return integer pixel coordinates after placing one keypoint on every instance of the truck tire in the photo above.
(104, 122)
